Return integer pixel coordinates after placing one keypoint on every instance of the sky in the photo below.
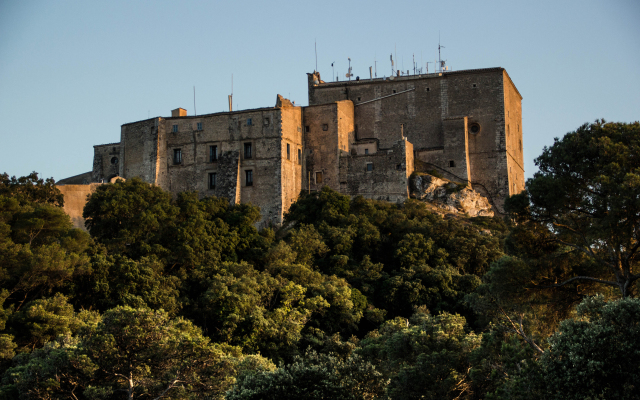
(72, 72)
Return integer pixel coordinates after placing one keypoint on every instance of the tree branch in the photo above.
(583, 278)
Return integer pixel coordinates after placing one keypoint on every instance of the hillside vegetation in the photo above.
(183, 298)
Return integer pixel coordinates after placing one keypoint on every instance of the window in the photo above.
(474, 85)
(306, 128)
(213, 153)
(247, 150)
(249, 122)
(452, 164)
(266, 121)
(325, 127)
(288, 151)
(474, 128)
(248, 177)
(299, 156)
(114, 160)
(199, 126)
(399, 167)
(428, 89)
(177, 156)
(394, 90)
(175, 129)
(366, 151)
(318, 178)
(212, 180)
(358, 98)
(369, 167)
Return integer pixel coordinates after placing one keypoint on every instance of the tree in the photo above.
(131, 353)
(314, 377)
(587, 193)
(424, 357)
(31, 189)
(596, 354)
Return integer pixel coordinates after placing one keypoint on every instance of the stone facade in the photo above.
(361, 137)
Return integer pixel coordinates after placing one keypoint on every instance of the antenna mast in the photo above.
(439, 59)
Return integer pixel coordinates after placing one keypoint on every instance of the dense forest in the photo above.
(182, 297)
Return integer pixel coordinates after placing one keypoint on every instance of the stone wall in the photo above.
(75, 198)
(386, 179)
(141, 146)
(106, 162)
(424, 105)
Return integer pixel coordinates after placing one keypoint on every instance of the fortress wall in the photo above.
(75, 198)
(389, 177)
(139, 150)
(292, 162)
(513, 120)
(106, 162)
(322, 155)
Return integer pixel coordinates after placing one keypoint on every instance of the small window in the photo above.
(266, 121)
(318, 178)
(248, 177)
(399, 167)
(474, 85)
(428, 89)
(114, 160)
(358, 98)
(299, 156)
(177, 156)
(249, 122)
(474, 128)
(247, 150)
(325, 127)
(366, 151)
(199, 126)
(306, 128)
(452, 164)
(394, 90)
(213, 153)
(369, 167)
(212, 180)
(288, 151)
(175, 129)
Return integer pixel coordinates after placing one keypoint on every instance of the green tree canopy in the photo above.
(586, 193)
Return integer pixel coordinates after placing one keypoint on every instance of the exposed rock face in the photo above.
(449, 196)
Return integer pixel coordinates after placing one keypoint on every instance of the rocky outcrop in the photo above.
(448, 196)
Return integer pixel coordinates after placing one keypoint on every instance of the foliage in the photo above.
(316, 376)
(131, 352)
(424, 357)
(596, 354)
(586, 194)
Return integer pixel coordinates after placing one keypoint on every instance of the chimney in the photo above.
(179, 112)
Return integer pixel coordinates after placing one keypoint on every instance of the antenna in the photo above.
(392, 71)
(349, 74)
(375, 63)
(194, 101)
(231, 96)
(315, 45)
(333, 72)
(428, 62)
(440, 62)
(414, 64)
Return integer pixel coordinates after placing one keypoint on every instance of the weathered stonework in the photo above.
(361, 138)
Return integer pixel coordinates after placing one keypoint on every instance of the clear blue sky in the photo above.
(72, 72)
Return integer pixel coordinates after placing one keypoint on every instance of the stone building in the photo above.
(359, 137)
